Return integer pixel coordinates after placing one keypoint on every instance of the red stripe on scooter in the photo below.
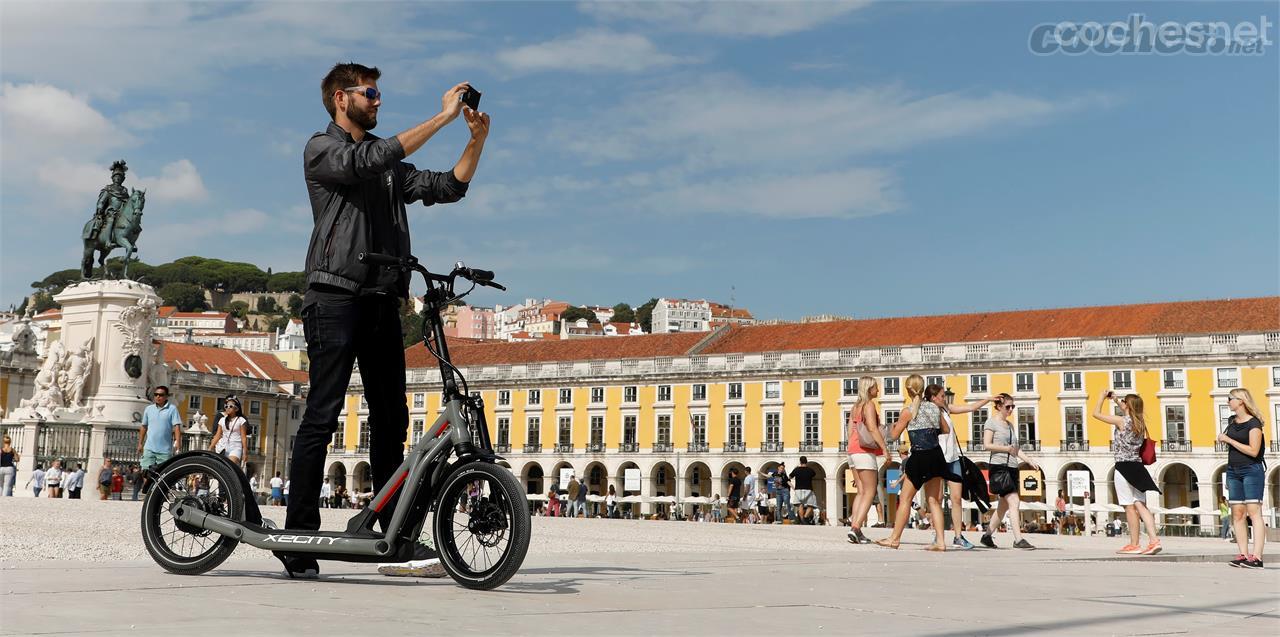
(395, 487)
(443, 426)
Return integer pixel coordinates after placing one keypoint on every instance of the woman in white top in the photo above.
(229, 437)
(950, 443)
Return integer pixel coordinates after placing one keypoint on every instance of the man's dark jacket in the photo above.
(345, 180)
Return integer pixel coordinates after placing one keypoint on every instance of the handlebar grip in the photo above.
(481, 276)
(498, 286)
(373, 258)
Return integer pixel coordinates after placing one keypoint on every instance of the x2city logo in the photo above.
(300, 539)
(1138, 36)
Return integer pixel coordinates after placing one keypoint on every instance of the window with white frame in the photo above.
(630, 394)
(364, 435)
(533, 433)
(418, 426)
(1228, 377)
(664, 430)
(1224, 417)
(892, 386)
(629, 430)
(1027, 424)
(979, 418)
(891, 416)
(1072, 381)
(735, 429)
(772, 390)
(935, 380)
(566, 396)
(810, 389)
(772, 427)
(535, 396)
(664, 393)
(1074, 420)
(1024, 381)
(193, 402)
(255, 407)
(1275, 376)
(419, 400)
(504, 397)
(977, 383)
(295, 412)
(698, 426)
(812, 431)
(1175, 423)
(849, 387)
(597, 430)
(1122, 379)
(735, 391)
(597, 395)
(699, 392)
(1174, 379)
(564, 431)
(339, 443)
(504, 431)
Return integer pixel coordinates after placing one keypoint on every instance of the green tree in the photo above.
(287, 282)
(267, 305)
(574, 313)
(188, 297)
(644, 315)
(278, 323)
(410, 325)
(295, 305)
(622, 313)
(22, 308)
(238, 309)
(44, 301)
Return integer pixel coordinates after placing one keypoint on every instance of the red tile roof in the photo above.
(231, 362)
(1181, 318)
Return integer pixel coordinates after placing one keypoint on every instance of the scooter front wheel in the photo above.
(481, 525)
(205, 484)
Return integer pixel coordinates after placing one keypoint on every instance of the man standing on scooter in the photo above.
(359, 185)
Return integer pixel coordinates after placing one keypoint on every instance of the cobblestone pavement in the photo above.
(72, 568)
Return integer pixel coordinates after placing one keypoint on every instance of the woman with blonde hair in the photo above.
(1245, 475)
(866, 447)
(9, 458)
(1132, 480)
(926, 467)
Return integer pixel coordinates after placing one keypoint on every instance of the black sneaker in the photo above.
(1023, 544)
(300, 567)
(1240, 561)
(1255, 562)
(988, 542)
(423, 552)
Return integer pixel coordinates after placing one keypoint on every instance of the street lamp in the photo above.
(951, 396)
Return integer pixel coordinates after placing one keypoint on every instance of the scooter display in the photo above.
(199, 506)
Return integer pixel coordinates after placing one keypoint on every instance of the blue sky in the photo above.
(863, 159)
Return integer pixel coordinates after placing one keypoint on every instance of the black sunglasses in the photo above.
(368, 91)
(161, 394)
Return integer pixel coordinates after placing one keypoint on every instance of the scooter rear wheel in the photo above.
(195, 481)
(481, 525)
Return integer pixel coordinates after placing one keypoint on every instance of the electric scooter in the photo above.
(199, 506)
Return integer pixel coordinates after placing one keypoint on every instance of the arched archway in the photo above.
(846, 498)
(1179, 486)
(597, 478)
(620, 483)
(337, 474)
(697, 481)
(557, 476)
(1219, 487)
(1065, 487)
(722, 485)
(363, 478)
(531, 476)
(663, 477)
(820, 485)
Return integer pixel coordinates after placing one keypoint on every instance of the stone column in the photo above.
(30, 429)
(835, 498)
(646, 492)
(1209, 500)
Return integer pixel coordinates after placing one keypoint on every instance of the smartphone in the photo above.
(471, 97)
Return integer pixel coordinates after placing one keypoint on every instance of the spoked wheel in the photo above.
(481, 525)
(206, 485)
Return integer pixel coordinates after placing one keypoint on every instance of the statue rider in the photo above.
(110, 200)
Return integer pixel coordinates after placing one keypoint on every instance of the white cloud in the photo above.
(766, 19)
(856, 192)
(153, 118)
(168, 240)
(78, 183)
(40, 119)
(589, 51)
(178, 181)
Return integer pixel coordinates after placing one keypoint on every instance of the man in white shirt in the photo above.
(326, 492)
(286, 492)
(74, 482)
(53, 479)
(277, 489)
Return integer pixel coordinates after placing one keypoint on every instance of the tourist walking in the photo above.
(229, 437)
(581, 502)
(735, 495)
(1060, 511)
(611, 503)
(104, 479)
(326, 494)
(75, 482)
(135, 475)
(9, 458)
(866, 449)
(574, 488)
(950, 443)
(802, 495)
(1224, 520)
(53, 480)
(783, 490)
(1132, 481)
(747, 503)
(1245, 475)
(277, 490)
(926, 468)
(1000, 437)
(117, 484)
(161, 430)
(36, 481)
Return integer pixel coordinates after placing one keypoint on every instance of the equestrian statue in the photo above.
(116, 223)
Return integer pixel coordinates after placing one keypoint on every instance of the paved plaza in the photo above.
(71, 568)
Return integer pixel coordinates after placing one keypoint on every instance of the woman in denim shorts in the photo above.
(1246, 474)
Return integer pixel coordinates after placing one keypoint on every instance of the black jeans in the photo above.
(366, 330)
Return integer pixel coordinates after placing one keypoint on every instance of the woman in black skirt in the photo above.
(926, 468)
(1132, 480)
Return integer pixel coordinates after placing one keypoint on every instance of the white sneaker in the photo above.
(414, 568)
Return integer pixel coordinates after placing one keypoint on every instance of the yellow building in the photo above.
(684, 408)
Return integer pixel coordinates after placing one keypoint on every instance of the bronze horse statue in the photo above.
(121, 233)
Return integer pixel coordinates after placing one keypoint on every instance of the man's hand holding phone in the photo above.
(451, 103)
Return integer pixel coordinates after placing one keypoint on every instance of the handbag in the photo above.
(1147, 452)
(865, 439)
(950, 443)
(1002, 480)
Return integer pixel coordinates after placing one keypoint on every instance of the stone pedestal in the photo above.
(113, 319)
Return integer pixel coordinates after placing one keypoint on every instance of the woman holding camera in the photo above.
(1132, 479)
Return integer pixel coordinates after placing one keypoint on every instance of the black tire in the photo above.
(179, 548)
(483, 546)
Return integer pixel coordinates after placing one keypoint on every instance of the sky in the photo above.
(850, 158)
